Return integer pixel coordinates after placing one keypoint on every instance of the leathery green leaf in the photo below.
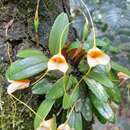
(119, 68)
(57, 89)
(66, 101)
(83, 65)
(97, 89)
(100, 117)
(70, 99)
(101, 78)
(57, 32)
(103, 108)
(29, 53)
(114, 94)
(75, 121)
(43, 111)
(25, 68)
(86, 109)
(42, 87)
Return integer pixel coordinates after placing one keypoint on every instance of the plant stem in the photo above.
(81, 80)
(94, 32)
(72, 108)
(14, 108)
(26, 106)
(65, 84)
(75, 90)
(40, 77)
(36, 24)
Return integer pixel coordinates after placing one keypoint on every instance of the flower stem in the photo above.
(65, 84)
(26, 106)
(72, 108)
(36, 24)
(93, 28)
(36, 18)
(40, 77)
(81, 80)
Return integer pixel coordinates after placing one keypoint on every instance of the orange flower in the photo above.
(46, 125)
(64, 127)
(96, 57)
(17, 85)
(58, 62)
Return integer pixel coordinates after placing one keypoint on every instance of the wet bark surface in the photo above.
(19, 15)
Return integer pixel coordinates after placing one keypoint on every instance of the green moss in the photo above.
(15, 116)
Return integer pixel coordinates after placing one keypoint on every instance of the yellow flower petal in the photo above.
(17, 85)
(96, 57)
(58, 62)
(46, 125)
(64, 127)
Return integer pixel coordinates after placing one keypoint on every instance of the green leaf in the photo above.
(69, 100)
(43, 111)
(75, 95)
(114, 94)
(103, 108)
(29, 53)
(42, 87)
(100, 117)
(83, 65)
(102, 43)
(57, 90)
(87, 45)
(74, 45)
(57, 30)
(25, 68)
(120, 68)
(97, 89)
(86, 109)
(114, 49)
(101, 78)
(75, 121)
(79, 104)
(103, 68)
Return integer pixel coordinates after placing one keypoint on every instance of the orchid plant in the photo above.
(79, 81)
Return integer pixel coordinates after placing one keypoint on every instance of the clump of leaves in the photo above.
(87, 87)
